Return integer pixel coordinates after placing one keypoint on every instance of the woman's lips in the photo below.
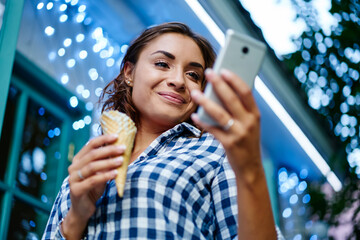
(172, 97)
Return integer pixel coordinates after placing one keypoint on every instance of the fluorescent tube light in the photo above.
(273, 103)
(297, 133)
(207, 20)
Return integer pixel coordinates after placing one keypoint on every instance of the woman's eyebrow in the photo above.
(196, 64)
(167, 54)
(171, 56)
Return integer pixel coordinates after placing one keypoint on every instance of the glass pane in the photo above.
(26, 222)
(40, 153)
(1, 199)
(8, 126)
(2, 10)
(64, 39)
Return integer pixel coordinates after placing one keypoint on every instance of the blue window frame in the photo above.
(36, 146)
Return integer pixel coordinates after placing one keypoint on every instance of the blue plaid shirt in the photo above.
(180, 187)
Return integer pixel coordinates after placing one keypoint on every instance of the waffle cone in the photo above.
(115, 122)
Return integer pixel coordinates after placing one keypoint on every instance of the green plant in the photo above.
(326, 68)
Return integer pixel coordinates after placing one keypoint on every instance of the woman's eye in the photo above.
(194, 75)
(162, 64)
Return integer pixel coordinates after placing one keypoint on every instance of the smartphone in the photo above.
(242, 55)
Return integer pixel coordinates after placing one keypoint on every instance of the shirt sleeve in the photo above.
(58, 212)
(224, 195)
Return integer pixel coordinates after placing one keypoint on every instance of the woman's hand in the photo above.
(240, 118)
(240, 136)
(92, 167)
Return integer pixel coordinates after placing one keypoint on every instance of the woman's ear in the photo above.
(128, 70)
(129, 73)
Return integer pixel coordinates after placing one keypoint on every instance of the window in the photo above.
(36, 145)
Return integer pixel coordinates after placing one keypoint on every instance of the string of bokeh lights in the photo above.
(321, 89)
(92, 40)
(294, 201)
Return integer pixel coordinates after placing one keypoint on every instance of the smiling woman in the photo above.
(164, 75)
(124, 102)
(181, 184)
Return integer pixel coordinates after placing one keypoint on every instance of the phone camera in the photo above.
(245, 50)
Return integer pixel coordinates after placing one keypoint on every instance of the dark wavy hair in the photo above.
(118, 93)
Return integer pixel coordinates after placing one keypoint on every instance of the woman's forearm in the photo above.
(255, 218)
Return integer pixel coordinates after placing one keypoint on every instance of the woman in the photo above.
(181, 184)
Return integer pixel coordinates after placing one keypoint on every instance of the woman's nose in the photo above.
(177, 80)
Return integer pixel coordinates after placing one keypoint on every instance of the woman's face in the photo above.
(168, 69)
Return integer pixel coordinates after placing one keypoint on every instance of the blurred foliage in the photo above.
(326, 68)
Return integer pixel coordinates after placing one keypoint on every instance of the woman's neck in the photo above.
(146, 134)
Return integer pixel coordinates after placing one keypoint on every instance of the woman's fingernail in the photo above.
(114, 172)
(121, 147)
(225, 72)
(118, 160)
(196, 94)
(113, 136)
(208, 71)
(209, 74)
(195, 117)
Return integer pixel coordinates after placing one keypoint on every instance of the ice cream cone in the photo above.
(115, 122)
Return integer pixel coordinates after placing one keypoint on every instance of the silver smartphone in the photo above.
(242, 55)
